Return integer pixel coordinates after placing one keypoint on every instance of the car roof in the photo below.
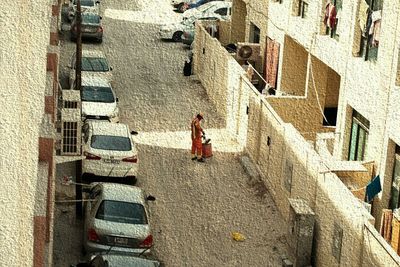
(109, 128)
(95, 81)
(93, 53)
(122, 192)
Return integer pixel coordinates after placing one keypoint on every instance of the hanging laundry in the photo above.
(363, 14)
(375, 29)
(373, 188)
(368, 24)
(330, 15)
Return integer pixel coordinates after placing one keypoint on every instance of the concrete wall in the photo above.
(23, 75)
(291, 168)
(238, 28)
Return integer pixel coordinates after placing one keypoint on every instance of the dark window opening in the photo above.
(254, 34)
(330, 115)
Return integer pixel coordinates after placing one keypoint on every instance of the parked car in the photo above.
(109, 152)
(220, 9)
(188, 34)
(116, 219)
(98, 100)
(117, 260)
(183, 6)
(175, 31)
(90, 6)
(91, 27)
(94, 64)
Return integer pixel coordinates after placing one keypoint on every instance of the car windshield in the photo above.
(121, 212)
(97, 94)
(85, 2)
(94, 64)
(90, 18)
(107, 142)
(204, 7)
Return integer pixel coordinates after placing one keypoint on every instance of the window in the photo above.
(394, 194)
(121, 212)
(358, 137)
(254, 34)
(303, 9)
(330, 115)
(370, 16)
(222, 11)
(107, 142)
(333, 12)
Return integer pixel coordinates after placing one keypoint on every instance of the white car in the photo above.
(89, 6)
(94, 64)
(116, 219)
(98, 100)
(210, 9)
(174, 31)
(109, 152)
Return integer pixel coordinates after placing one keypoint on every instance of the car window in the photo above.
(85, 2)
(222, 11)
(204, 7)
(97, 94)
(90, 18)
(122, 212)
(94, 64)
(107, 142)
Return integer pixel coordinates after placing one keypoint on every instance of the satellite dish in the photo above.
(245, 51)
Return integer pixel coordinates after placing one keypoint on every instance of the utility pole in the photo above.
(78, 84)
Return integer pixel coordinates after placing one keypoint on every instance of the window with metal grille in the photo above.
(358, 137)
(70, 137)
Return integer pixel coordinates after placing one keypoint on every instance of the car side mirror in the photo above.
(134, 133)
(111, 68)
(150, 198)
(97, 2)
(100, 17)
(116, 99)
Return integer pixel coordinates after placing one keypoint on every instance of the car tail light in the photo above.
(92, 235)
(130, 159)
(91, 156)
(100, 29)
(148, 242)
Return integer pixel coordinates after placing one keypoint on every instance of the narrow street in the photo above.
(198, 204)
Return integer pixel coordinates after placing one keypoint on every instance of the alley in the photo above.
(198, 204)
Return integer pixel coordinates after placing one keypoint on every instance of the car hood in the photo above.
(139, 231)
(98, 108)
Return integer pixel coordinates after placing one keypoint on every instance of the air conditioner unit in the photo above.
(248, 51)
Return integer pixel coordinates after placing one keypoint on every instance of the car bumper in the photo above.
(89, 35)
(95, 247)
(99, 168)
(165, 34)
(187, 41)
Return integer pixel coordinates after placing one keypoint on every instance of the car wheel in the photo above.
(100, 40)
(177, 37)
(73, 38)
(83, 250)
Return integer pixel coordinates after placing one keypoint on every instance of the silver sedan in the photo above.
(116, 216)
